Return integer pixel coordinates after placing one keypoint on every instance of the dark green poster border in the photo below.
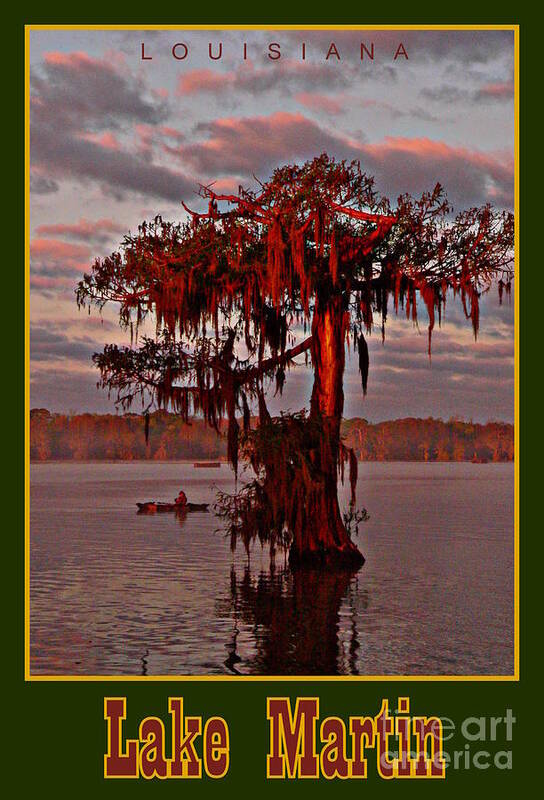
(58, 740)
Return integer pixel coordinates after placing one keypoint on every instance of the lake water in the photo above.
(114, 592)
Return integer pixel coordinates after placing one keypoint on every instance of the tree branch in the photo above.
(270, 363)
(383, 219)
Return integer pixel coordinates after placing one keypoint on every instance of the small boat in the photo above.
(152, 507)
(207, 464)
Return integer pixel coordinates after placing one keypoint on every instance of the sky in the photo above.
(117, 138)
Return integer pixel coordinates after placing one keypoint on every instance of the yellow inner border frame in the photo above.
(419, 678)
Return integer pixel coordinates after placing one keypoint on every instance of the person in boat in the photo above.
(181, 499)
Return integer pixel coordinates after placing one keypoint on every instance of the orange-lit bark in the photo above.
(325, 536)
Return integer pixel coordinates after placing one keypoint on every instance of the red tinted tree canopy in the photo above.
(249, 269)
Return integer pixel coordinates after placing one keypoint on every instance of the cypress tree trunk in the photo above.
(325, 537)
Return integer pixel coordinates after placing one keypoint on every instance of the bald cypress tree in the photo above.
(309, 263)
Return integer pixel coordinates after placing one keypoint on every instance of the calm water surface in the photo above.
(113, 592)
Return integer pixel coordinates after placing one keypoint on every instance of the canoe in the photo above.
(207, 464)
(151, 507)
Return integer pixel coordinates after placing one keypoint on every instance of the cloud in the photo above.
(41, 184)
(283, 76)
(77, 103)
(469, 176)
(438, 46)
(46, 285)
(55, 264)
(496, 91)
(395, 111)
(171, 133)
(250, 145)
(68, 155)
(446, 93)
(64, 390)
(107, 139)
(449, 94)
(320, 102)
(50, 345)
(497, 363)
(77, 89)
(58, 255)
(99, 231)
(341, 103)
(199, 81)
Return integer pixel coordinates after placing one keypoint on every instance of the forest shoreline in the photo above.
(111, 438)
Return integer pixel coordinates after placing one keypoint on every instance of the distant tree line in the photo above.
(413, 439)
(110, 437)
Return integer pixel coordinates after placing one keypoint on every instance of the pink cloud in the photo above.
(203, 80)
(497, 91)
(320, 102)
(285, 75)
(248, 144)
(75, 60)
(438, 155)
(81, 95)
(419, 147)
(45, 282)
(52, 256)
(171, 133)
(227, 185)
(84, 229)
(150, 135)
(254, 145)
(54, 248)
(107, 140)
(145, 138)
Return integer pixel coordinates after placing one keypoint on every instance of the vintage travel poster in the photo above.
(272, 394)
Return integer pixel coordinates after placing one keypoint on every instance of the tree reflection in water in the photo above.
(299, 622)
